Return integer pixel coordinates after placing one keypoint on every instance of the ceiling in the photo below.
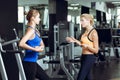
(115, 3)
(110, 3)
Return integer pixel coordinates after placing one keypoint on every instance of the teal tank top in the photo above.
(32, 56)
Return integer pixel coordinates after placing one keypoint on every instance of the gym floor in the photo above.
(104, 70)
(107, 71)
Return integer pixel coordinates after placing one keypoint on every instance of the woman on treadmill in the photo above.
(33, 45)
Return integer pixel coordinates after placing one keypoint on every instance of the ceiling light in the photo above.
(74, 4)
(70, 8)
(116, 2)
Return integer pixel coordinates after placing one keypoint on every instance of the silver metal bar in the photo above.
(2, 67)
(10, 42)
(18, 58)
(71, 32)
(62, 63)
(19, 62)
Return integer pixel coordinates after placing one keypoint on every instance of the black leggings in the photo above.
(87, 62)
(33, 70)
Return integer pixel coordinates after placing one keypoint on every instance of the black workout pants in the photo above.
(87, 62)
(33, 70)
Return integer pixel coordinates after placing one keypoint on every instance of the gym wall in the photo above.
(8, 21)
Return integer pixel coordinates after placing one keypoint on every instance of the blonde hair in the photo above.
(88, 17)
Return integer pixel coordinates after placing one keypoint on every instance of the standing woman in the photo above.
(90, 46)
(33, 45)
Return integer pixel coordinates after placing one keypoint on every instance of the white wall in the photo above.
(31, 2)
(101, 6)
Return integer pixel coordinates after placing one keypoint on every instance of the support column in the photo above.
(8, 21)
(57, 12)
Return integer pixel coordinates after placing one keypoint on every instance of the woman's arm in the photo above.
(29, 34)
(41, 47)
(72, 39)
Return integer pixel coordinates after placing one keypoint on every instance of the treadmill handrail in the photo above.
(10, 42)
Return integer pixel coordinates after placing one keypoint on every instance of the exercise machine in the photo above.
(2, 67)
(17, 56)
(68, 72)
(63, 55)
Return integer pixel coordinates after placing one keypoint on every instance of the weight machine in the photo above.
(63, 56)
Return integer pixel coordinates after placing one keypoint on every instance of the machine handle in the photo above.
(15, 33)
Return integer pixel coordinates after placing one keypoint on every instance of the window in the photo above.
(20, 14)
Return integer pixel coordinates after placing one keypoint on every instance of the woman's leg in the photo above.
(86, 65)
(41, 74)
(30, 70)
(83, 72)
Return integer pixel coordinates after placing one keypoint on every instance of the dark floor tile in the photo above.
(106, 71)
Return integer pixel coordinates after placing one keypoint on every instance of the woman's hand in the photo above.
(70, 39)
(73, 39)
(39, 48)
(84, 45)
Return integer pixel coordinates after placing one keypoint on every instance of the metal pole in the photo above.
(62, 63)
(19, 62)
(2, 67)
(71, 30)
(18, 58)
